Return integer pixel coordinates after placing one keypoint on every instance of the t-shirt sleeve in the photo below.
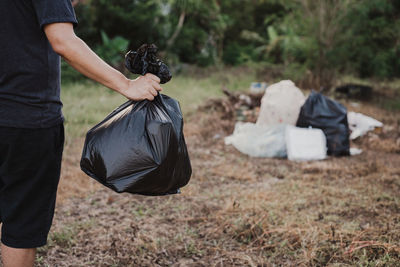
(53, 11)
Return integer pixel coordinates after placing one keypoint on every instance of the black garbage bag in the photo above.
(331, 117)
(139, 148)
(145, 60)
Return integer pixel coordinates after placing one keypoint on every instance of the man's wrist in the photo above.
(122, 85)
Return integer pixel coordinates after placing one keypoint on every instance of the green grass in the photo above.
(87, 103)
(66, 236)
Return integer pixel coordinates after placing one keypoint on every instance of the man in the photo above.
(33, 33)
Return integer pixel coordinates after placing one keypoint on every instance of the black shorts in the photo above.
(30, 162)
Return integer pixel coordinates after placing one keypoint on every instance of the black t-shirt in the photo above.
(29, 68)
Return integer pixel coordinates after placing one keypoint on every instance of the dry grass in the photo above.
(240, 211)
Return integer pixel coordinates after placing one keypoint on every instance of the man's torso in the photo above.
(29, 68)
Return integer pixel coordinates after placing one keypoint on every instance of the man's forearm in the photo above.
(64, 42)
(84, 60)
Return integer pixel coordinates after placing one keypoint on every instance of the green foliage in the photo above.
(323, 37)
(86, 24)
(311, 34)
(112, 50)
(374, 49)
(201, 39)
(236, 54)
(327, 37)
(247, 33)
(69, 74)
(137, 21)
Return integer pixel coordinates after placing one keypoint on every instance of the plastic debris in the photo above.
(281, 104)
(360, 124)
(258, 88)
(259, 140)
(355, 151)
(305, 144)
(329, 116)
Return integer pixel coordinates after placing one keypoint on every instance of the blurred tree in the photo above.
(319, 25)
(247, 37)
(138, 21)
(330, 36)
(373, 49)
(184, 7)
(86, 23)
(201, 38)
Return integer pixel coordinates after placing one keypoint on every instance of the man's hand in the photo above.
(65, 43)
(144, 87)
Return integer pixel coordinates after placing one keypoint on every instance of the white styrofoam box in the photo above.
(304, 144)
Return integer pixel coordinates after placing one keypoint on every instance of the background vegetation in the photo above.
(304, 39)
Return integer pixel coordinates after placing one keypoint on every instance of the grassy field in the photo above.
(87, 103)
(237, 210)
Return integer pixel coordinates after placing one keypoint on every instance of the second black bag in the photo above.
(331, 117)
(139, 148)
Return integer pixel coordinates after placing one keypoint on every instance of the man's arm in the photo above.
(75, 51)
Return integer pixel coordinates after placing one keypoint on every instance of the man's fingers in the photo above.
(144, 87)
(156, 86)
(153, 92)
(150, 97)
(153, 77)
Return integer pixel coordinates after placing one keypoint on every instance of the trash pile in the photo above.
(289, 125)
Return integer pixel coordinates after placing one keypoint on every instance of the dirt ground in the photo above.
(240, 211)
